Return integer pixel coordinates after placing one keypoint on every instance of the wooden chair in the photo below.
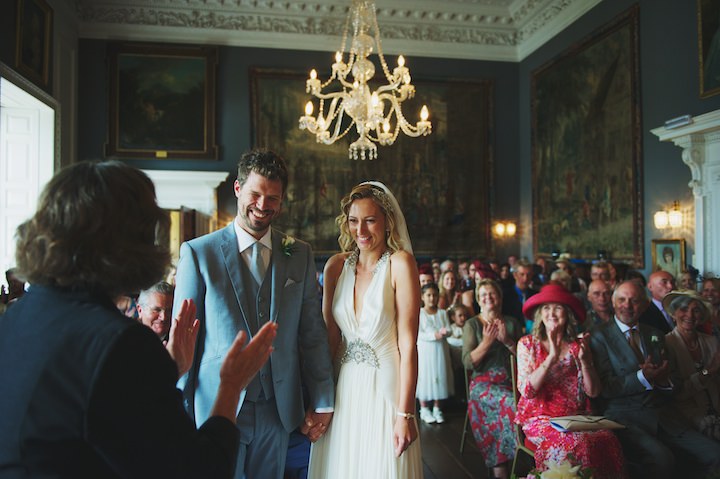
(466, 426)
(521, 444)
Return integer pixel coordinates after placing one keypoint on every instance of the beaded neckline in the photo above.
(352, 260)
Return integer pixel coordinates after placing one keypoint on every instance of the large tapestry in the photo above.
(442, 181)
(586, 158)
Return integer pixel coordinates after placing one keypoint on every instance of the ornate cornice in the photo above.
(454, 29)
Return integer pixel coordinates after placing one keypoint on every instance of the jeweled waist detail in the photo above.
(360, 352)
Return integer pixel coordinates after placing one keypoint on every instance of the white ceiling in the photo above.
(502, 30)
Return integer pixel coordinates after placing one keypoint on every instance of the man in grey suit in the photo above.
(636, 383)
(240, 277)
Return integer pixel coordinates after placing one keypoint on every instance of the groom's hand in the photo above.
(315, 424)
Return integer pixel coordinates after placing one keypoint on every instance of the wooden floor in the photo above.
(441, 448)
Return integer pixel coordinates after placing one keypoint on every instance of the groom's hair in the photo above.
(264, 162)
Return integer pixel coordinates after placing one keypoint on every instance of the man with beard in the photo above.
(241, 277)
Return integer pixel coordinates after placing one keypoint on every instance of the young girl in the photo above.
(458, 315)
(433, 356)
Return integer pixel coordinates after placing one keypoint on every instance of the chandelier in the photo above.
(370, 111)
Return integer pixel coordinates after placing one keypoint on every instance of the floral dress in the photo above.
(562, 395)
(490, 402)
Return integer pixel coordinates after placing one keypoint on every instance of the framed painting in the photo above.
(586, 148)
(162, 101)
(668, 255)
(442, 181)
(708, 16)
(32, 46)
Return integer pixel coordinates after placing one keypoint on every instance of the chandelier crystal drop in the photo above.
(352, 97)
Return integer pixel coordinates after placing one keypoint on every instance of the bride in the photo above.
(371, 305)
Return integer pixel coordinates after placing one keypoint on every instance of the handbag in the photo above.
(583, 423)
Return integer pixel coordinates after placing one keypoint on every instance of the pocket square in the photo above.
(289, 282)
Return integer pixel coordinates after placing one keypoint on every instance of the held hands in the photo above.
(442, 333)
(656, 374)
(315, 424)
(404, 433)
(183, 333)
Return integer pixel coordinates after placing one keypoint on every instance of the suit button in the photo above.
(262, 315)
(260, 299)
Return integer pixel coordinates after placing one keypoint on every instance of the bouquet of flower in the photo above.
(564, 470)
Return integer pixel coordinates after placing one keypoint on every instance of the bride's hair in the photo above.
(392, 238)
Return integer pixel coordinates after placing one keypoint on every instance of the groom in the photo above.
(240, 277)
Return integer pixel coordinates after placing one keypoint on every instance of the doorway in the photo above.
(28, 155)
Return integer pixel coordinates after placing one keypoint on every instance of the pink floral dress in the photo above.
(562, 394)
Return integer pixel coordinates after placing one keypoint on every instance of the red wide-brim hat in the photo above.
(554, 293)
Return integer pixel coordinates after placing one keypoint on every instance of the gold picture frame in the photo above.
(32, 45)
(708, 18)
(162, 101)
(668, 255)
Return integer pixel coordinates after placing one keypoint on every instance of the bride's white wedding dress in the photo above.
(359, 441)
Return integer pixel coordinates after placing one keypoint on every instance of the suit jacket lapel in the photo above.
(619, 343)
(279, 273)
(229, 248)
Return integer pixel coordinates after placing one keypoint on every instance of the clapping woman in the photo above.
(488, 343)
(697, 356)
(556, 377)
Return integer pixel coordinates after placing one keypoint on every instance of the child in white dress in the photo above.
(458, 315)
(434, 375)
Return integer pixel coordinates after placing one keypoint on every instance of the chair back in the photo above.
(521, 445)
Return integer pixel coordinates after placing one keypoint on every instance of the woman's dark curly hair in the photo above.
(95, 229)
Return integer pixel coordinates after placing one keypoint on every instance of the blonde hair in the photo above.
(345, 240)
(538, 329)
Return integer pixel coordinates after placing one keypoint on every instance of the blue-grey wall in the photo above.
(234, 109)
(669, 87)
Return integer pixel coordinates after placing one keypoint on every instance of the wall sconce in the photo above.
(671, 218)
(505, 229)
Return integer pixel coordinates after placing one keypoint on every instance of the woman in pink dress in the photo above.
(556, 377)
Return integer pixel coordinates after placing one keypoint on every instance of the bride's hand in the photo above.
(404, 433)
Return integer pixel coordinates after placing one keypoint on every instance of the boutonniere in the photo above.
(288, 245)
(654, 339)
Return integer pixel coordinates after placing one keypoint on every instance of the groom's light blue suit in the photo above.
(211, 272)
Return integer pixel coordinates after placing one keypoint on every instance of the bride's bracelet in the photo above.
(406, 415)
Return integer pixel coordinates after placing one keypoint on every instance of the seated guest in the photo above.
(599, 296)
(711, 292)
(425, 273)
(458, 316)
(686, 280)
(488, 343)
(91, 393)
(515, 294)
(556, 377)
(449, 291)
(154, 306)
(635, 376)
(697, 356)
(659, 284)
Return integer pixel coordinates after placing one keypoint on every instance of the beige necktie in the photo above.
(634, 340)
(257, 266)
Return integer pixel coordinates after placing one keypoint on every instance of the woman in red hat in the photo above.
(556, 377)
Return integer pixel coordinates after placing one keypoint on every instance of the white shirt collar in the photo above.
(246, 240)
(658, 304)
(624, 328)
